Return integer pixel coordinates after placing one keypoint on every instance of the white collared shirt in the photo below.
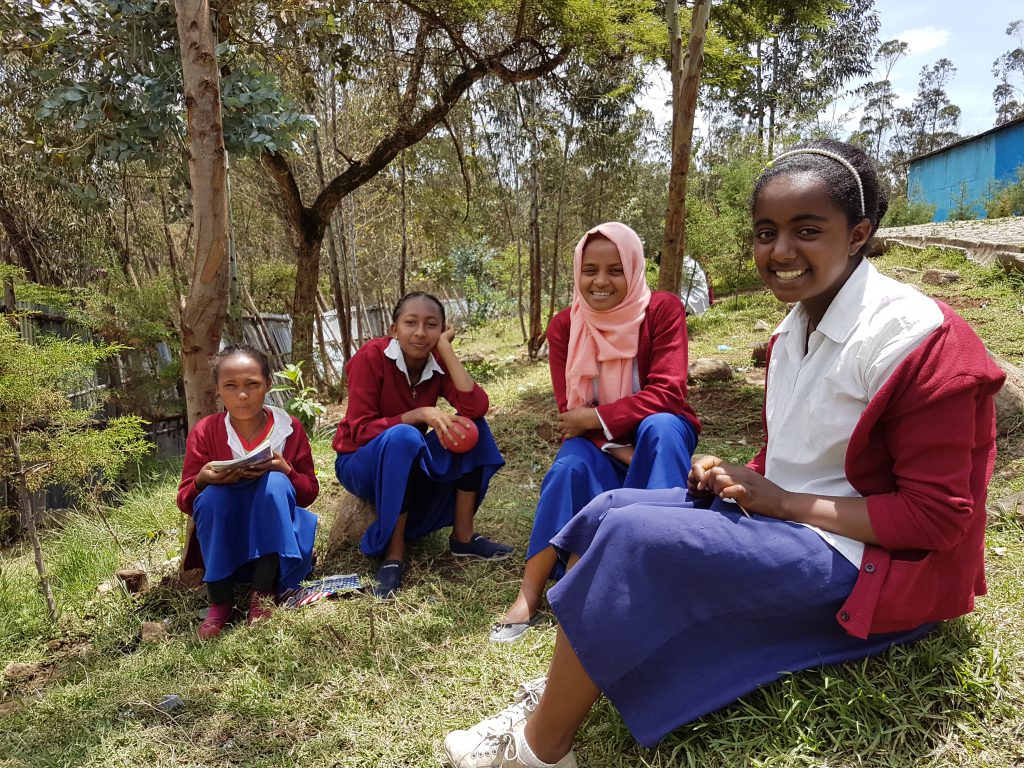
(279, 433)
(393, 351)
(814, 401)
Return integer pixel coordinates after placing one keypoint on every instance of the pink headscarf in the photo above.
(608, 337)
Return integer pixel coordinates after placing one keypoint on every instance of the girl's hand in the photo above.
(276, 464)
(751, 490)
(577, 421)
(209, 475)
(695, 480)
(435, 418)
(448, 334)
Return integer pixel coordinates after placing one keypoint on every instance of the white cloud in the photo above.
(921, 39)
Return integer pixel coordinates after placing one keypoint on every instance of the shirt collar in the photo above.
(393, 351)
(842, 315)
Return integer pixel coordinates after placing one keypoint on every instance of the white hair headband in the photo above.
(833, 156)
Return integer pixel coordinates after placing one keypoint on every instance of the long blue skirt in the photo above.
(661, 459)
(676, 610)
(238, 523)
(379, 472)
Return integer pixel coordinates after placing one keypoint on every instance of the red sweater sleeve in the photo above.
(558, 350)
(303, 474)
(664, 388)
(365, 373)
(932, 465)
(197, 453)
(472, 404)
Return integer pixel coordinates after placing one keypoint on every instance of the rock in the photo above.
(759, 354)
(135, 581)
(152, 632)
(999, 551)
(762, 325)
(1010, 399)
(353, 517)
(105, 587)
(939, 277)
(170, 703)
(709, 369)
(1011, 505)
(19, 671)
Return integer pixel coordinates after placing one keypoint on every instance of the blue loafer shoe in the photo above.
(479, 547)
(389, 579)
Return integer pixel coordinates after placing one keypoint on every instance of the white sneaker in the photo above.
(466, 749)
(525, 701)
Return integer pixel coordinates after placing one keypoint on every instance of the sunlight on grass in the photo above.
(358, 683)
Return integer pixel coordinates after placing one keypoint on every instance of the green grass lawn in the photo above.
(361, 683)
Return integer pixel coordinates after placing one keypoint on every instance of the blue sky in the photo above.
(970, 35)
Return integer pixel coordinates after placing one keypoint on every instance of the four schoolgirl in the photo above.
(386, 455)
(251, 524)
(859, 524)
(618, 369)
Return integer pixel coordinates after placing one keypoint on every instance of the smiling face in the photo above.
(418, 328)
(241, 386)
(804, 246)
(602, 282)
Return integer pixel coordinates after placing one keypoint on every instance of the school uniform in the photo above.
(700, 605)
(378, 454)
(237, 524)
(655, 419)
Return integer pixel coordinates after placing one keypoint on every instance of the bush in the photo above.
(1007, 200)
(904, 213)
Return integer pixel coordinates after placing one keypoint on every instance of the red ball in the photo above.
(451, 440)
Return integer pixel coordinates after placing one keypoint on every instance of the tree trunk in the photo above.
(684, 102)
(28, 518)
(404, 255)
(206, 307)
(536, 281)
(558, 217)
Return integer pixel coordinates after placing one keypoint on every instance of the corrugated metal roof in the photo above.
(968, 140)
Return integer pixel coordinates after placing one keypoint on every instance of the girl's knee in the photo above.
(276, 484)
(658, 423)
(403, 437)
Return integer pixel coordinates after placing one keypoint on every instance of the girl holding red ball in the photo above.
(386, 455)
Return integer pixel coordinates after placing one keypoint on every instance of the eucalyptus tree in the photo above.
(434, 51)
(776, 65)
(1009, 68)
(880, 99)
(931, 121)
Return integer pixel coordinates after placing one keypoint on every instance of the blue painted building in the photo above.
(976, 164)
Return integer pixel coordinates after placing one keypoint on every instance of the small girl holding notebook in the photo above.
(251, 521)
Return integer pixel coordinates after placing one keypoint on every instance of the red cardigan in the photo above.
(922, 454)
(661, 363)
(208, 441)
(379, 393)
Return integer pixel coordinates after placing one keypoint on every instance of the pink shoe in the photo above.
(260, 606)
(215, 620)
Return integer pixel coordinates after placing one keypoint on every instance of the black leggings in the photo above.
(419, 484)
(264, 579)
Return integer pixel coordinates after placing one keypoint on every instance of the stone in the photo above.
(709, 369)
(939, 277)
(1010, 399)
(152, 632)
(18, 671)
(134, 580)
(351, 520)
(1011, 505)
(759, 354)
(762, 325)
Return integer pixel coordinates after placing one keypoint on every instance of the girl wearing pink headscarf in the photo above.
(618, 369)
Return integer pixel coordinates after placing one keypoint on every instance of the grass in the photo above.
(358, 683)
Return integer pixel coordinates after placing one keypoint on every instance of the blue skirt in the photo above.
(661, 459)
(676, 610)
(379, 472)
(238, 523)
